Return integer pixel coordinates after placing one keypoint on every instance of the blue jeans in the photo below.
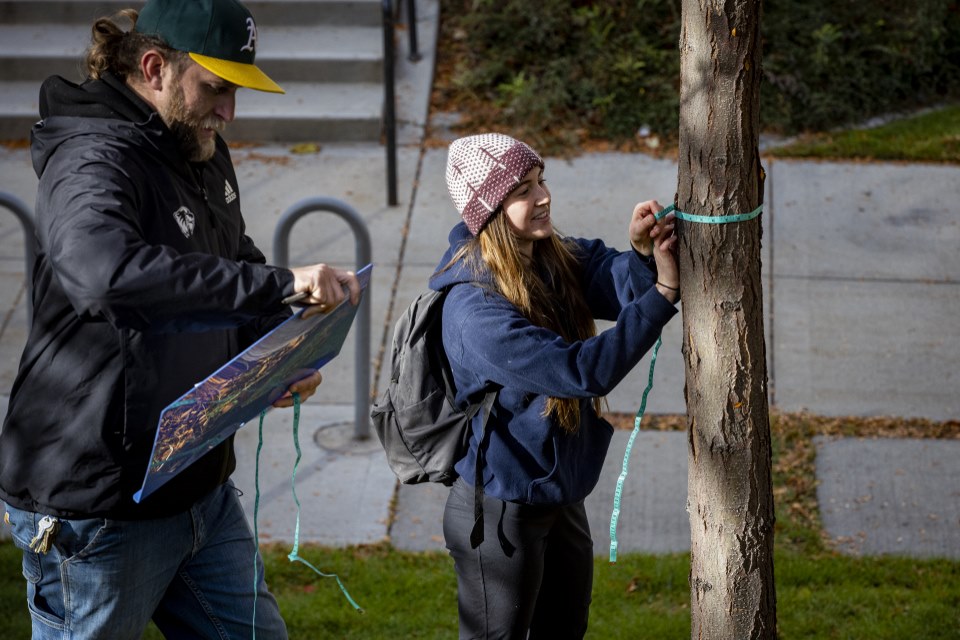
(192, 573)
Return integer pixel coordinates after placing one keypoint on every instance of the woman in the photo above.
(523, 324)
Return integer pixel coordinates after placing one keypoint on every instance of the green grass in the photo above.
(875, 598)
(930, 137)
(413, 595)
(821, 595)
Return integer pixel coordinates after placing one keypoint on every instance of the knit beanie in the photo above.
(482, 170)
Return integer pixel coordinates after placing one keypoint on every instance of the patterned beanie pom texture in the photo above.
(482, 170)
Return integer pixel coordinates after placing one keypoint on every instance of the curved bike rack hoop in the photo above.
(22, 212)
(281, 257)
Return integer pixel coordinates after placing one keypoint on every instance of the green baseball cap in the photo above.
(219, 35)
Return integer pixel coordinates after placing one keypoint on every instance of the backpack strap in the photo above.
(476, 535)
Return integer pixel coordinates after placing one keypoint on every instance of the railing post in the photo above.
(281, 257)
(23, 214)
(389, 102)
(414, 55)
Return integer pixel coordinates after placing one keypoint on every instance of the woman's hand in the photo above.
(643, 224)
(651, 236)
(665, 255)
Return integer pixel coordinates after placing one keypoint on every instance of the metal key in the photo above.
(47, 529)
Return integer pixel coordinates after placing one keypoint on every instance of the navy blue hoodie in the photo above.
(528, 458)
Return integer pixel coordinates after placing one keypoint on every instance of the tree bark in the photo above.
(732, 590)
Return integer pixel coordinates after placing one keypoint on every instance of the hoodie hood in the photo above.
(106, 107)
(108, 97)
(459, 272)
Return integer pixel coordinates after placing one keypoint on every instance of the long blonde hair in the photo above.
(546, 290)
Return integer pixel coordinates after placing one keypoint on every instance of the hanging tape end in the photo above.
(613, 552)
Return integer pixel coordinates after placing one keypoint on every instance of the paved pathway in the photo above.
(862, 288)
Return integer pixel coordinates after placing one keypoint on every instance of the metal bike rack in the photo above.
(23, 214)
(281, 257)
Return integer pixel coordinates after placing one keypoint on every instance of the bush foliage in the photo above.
(558, 72)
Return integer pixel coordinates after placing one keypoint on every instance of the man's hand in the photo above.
(306, 387)
(325, 286)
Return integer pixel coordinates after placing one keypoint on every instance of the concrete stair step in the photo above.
(322, 53)
(327, 54)
(331, 112)
(267, 12)
(340, 112)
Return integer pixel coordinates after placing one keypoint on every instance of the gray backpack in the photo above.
(421, 429)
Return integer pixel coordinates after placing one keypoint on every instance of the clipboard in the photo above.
(216, 407)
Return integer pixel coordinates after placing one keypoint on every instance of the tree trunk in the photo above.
(730, 492)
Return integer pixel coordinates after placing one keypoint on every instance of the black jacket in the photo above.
(145, 283)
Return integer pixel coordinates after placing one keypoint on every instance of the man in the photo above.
(145, 283)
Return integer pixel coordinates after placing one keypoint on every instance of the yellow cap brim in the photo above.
(240, 74)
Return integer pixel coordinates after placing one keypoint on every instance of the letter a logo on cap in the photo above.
(252, 41)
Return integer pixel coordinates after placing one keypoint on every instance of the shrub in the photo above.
(557, 72)
(832, 63)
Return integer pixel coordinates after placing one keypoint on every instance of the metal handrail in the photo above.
(389, 101)
(19, 209)
(281, 257)
(389, 85)
(414, 55)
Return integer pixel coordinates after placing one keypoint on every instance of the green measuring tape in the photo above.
(293, 555)
(618, 494)
(692, 217)
(626, 456)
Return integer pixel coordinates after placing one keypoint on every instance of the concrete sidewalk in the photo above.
(862, 291)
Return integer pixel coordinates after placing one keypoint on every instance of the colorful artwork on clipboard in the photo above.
(238, 391)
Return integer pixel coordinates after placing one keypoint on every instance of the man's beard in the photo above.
(186, 128)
